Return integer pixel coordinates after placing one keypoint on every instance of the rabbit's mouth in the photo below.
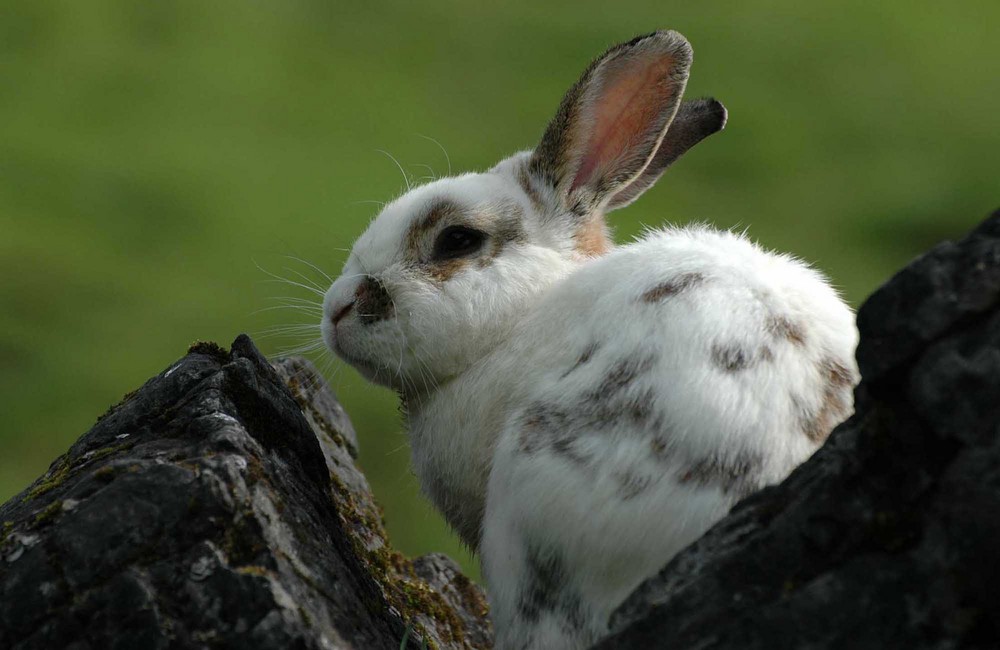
(371, 369)
(350, 358)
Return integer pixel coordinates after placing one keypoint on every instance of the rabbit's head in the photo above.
(444, 273)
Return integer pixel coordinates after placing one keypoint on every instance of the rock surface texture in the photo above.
(220, 506)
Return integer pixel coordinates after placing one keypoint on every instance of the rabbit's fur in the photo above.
(580, 412)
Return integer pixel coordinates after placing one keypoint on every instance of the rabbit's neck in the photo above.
(453, 431)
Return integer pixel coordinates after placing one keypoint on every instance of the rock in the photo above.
(219, 505)
(888, 536)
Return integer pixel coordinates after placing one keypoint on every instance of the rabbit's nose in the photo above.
(373, 301)
(343, 311)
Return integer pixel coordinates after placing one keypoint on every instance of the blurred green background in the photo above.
(152, 154)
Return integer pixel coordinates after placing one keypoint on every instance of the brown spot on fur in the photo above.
(730, 358)
(592, 238)
(563, 446)
(527, 184)
(658, 447)
(548, 426)
(739, 475)
(631, 485)
(621, 375)
(733, 358)
(784, 328)
(835, 406)
(538, 424)
(672, 287)
(585, 357)
(838, 373)
(639, 409)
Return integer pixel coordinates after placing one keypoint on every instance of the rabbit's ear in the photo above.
(695, 121)
(611, 122)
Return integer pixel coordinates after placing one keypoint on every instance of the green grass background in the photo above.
(152, 152)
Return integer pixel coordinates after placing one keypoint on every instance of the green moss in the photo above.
(302, 399)
(5, 531)
(306, 618)
(53, 479)
(114, 407)
(105, 452)
(255, 470)
(253, 570)
(241, 540)
(49, 512)
(105, 473)
(471, 595)
(401, 587)
(210, 348)
(324, 425)
(62, 469)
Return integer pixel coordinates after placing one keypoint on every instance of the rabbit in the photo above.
(578, 411)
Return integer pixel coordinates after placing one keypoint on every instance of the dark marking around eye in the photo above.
(436, 212)
(509, 229)
(672, 287)
(455, 242)
(446, 270)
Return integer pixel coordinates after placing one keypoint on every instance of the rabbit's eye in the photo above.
(457, 241)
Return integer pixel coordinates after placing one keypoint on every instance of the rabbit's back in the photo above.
(698, 335)
(667, 380)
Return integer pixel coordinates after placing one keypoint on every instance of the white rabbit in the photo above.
(579, 412)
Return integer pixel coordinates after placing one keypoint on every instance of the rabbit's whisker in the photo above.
(313, 266)
(441, 147)
(400, 167)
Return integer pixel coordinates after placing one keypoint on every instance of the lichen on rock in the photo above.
(219, 504)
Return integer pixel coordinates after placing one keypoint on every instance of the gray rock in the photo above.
(888, 537)
(220, 506)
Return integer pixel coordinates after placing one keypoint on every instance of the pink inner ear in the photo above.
(627, 114)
